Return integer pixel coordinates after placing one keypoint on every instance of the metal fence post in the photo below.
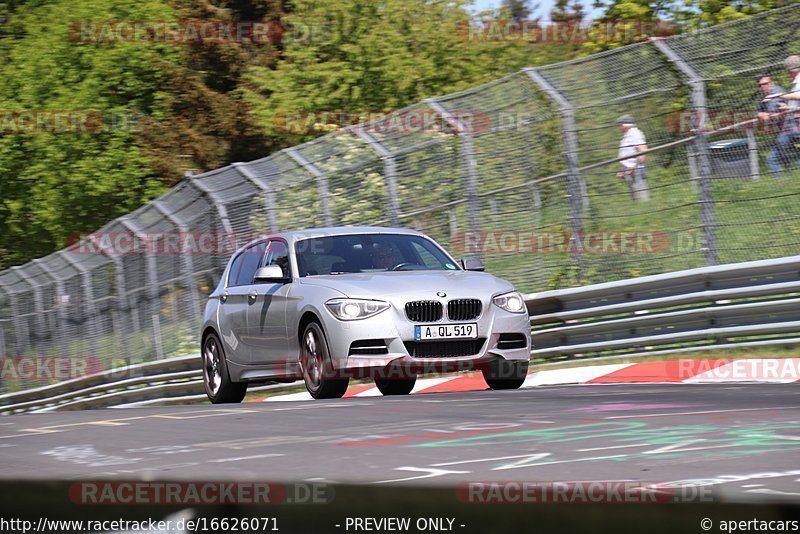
(3, 352)
(37, 298)
(154, 296)
(269, 197)
(123, 306)
(60, 311)
(752, 150)
(452, 221)
(578, 193)
(702, 162)
(222, 212)
(322, 182)
(20, 326)
(187, 266)
(389, 173)
(88, 297)
(470, 164)
(22, 335)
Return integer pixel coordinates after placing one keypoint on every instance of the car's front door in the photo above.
(266, 315)
(237, 303)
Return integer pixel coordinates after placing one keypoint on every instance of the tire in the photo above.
(503, 374)
(216, 380)
(398, 386)
(316, 366)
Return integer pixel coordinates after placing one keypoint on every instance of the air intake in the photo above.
(464, 309)
(424, 311)
(369, 346)
(444, 349)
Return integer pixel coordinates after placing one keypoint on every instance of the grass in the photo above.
(754, 219)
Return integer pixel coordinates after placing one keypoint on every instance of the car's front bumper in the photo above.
(394, 329)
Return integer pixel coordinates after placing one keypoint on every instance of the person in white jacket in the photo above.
(633, 168)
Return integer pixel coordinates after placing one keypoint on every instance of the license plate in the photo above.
(446, 331)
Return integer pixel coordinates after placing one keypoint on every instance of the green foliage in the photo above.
(152, 111)
(703, 13)
(518, 9)
(569, 11)
(669, 16)
(364, 58)
(375, 56)
(57, 184)
(687, 14)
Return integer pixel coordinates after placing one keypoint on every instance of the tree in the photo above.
(357, 57)
(154, 109)
(685, 14)
(205, 122)
(566, 11)
(55, 181)
(518, 9)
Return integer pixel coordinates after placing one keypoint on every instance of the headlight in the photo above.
(510, 302)
(353, 309)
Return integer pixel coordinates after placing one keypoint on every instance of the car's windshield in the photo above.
(362, 253)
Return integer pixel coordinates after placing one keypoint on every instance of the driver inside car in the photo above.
(384, 257)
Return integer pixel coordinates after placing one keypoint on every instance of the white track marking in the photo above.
(573, 375)
(254, 457)
(429, 473)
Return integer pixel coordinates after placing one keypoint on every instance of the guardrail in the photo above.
(175, 379)
(741, 304)
(734, 305)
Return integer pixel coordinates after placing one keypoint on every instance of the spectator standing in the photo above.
(767, 109)
(633, 167)
(784, 146)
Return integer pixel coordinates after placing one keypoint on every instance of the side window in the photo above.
(278, 254)
(251, 260)
(235, 267)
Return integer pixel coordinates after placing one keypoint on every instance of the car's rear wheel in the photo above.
(503, 374)
(219, 387)
(395, 386)
(315, 363)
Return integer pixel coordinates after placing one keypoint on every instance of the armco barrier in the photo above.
(752, 303)
(162, 382)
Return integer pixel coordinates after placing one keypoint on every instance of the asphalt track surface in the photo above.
(741, 439)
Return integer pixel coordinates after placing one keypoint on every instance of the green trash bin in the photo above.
(730, 158)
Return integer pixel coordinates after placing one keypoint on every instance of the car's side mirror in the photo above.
(270, 273)
(472, 263)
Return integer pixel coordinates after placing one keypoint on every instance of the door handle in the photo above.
(223, 297)
(252, 295)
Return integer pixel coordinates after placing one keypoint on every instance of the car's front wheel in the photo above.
(315, 363)
(398, 386)
(503, 374)
(217, 381)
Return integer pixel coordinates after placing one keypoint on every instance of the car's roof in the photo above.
(298, 235)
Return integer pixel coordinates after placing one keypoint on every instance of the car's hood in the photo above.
(415, 284)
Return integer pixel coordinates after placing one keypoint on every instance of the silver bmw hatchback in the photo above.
(327, 305)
